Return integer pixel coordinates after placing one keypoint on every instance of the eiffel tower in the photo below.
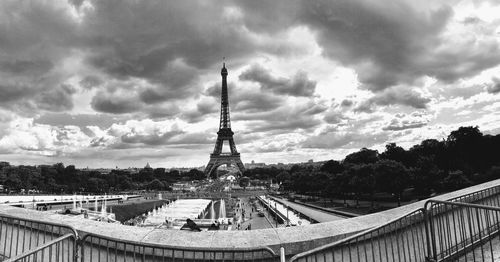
(217, 158)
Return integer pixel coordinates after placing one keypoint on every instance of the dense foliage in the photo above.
(60, 179)
(466, 157)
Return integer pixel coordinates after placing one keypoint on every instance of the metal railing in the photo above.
(402, 239)
(441, 231)
(461, 230)
(481, 196)
(33, 240)
(59, 249)
(19, 235)
(100, 248)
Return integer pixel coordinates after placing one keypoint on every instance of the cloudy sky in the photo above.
(121, 83)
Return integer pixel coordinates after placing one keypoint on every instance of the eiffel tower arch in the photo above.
(218, 158)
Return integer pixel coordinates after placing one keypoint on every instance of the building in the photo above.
(254, 165)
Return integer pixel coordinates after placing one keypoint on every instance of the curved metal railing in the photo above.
(441, 230)
(101, 248)
(19, 236)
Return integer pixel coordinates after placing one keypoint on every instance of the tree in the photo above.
(159, 173)
(283, 176)
(396, 153)
(332, 167)
(338, 185)
(455, 180)
(363, 156)
(465, 146)
(155, 184)
(244, 182)
(362, 180)
(392, 177)
(425, 175)
(195, 174)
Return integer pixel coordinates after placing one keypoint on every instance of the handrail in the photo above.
(73, 230)
(27, 234)
(367, 235)
(432, 201)
(114, 248)
(477, 225)
(353, 237)
(180, 248)
(39, 248)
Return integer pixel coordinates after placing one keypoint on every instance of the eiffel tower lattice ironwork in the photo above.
(218, 158)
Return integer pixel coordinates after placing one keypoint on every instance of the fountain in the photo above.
(212, 211)
(74, 202)
(103, 209)
(222, 209)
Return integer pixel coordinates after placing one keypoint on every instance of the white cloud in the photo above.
(126, 82)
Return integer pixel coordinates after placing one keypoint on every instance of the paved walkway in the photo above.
(251, 217)
(317, 215)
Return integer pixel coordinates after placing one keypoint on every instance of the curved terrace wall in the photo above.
(293, 239)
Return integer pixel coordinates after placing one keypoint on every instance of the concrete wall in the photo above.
(293, 239)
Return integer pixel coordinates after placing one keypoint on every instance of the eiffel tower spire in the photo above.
(217, 158)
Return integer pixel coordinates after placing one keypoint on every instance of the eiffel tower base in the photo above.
(219, 160)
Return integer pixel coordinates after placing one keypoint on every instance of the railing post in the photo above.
(429, 234)
(77, 249)
(282, 254)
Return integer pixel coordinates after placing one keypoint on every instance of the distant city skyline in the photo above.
(122, 83)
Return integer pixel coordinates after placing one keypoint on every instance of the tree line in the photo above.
(57, 178)
(466, 157)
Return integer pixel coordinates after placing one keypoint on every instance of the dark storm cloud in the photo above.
(334, 117)
(250, 101)
(140, 39)
(391, 43)
(175, 82)
(246, 99)
(81, 120)
(33, 38)
(169, 43)
(56, 100)
(203, 109)
(13, 92)
(346, 103)
(494, 87)
(90, 82)
(287, 118)
(298, 85)
(394, 96)
(156, 111)
(36, 67)
(114, 104)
